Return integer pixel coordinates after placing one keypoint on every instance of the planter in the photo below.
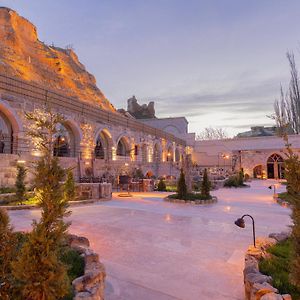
(195, 202)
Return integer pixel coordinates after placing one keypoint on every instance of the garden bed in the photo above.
(277, 265)
(192, 198)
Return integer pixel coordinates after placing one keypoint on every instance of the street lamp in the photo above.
(240, 222)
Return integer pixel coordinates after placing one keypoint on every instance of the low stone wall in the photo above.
(93, 191)
(90, 286)
(257, 285)
(197, 202)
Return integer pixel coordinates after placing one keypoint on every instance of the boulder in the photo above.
(282, 236)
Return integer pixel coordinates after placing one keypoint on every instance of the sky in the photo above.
(219, 63)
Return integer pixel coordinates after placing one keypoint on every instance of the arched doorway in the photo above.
(6, 134)
(123, 147)
(275, 166)
(170, 154)
(257, 172)
(103, 146)
(64, 144)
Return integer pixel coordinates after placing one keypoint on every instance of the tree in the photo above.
(287, 117)
(287, 109)
(205, 185)
(240, 178)
(161, 186)
(20, 184)
(181, 186)
(210, 133)
(7, 254)
(40, 273)
(69, 187)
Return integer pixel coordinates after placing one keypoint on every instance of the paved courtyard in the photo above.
(154, 250)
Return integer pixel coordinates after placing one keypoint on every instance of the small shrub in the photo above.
(190, 197)
(181, 186)
(161, 186)
(20, 184)
(206, 185)
(7, 190)
(69, 187)
(232, 181)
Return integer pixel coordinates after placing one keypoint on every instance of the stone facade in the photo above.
(259, 157)
(99, 143)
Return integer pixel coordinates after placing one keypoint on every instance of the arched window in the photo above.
(121, 148)
(170, 154)
(6, 135)
(103, 145)
(64, 145)
(275, 166)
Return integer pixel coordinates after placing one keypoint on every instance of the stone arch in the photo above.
(275, 166)
(258, 171)
(123, 146)
(68, 139)
(103, 144)
(170, 153)
(11, 129)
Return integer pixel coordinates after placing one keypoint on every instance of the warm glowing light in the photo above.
(113, 153)
(227, 208)
(37, 153)
(20, 161)
(126, 164)
(87, 163)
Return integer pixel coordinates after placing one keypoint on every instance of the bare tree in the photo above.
(210, 133)
(287, 108)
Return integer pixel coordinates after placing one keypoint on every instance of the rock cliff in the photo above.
(22, 55)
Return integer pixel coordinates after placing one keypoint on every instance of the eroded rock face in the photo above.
(22, 55)
(138, 111)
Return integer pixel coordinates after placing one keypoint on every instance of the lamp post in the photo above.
(274, 188)
(241, 223)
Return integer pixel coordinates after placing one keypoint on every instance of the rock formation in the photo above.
(23, 56)
(143, 111)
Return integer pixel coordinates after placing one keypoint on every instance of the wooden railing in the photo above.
(43, 95)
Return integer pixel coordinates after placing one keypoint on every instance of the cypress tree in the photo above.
(240, 178)
(69, 187)
(205, 186)
(181, 186)
(20, 185)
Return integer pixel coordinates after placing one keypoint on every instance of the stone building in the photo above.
(260, 157)
(93, 141)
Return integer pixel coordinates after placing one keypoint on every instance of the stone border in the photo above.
(72, 203)
(89, 286)
(257, 285)
(214, 199)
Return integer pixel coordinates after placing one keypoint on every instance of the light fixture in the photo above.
(240, 222)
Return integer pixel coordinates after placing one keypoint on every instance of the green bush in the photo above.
(181, 186)
(20, 183)
(205, 185)
(161, 186)
(235, 180)
(7, 190)
(278, 266)
(190, 197)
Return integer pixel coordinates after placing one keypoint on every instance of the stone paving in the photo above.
(154, 250)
